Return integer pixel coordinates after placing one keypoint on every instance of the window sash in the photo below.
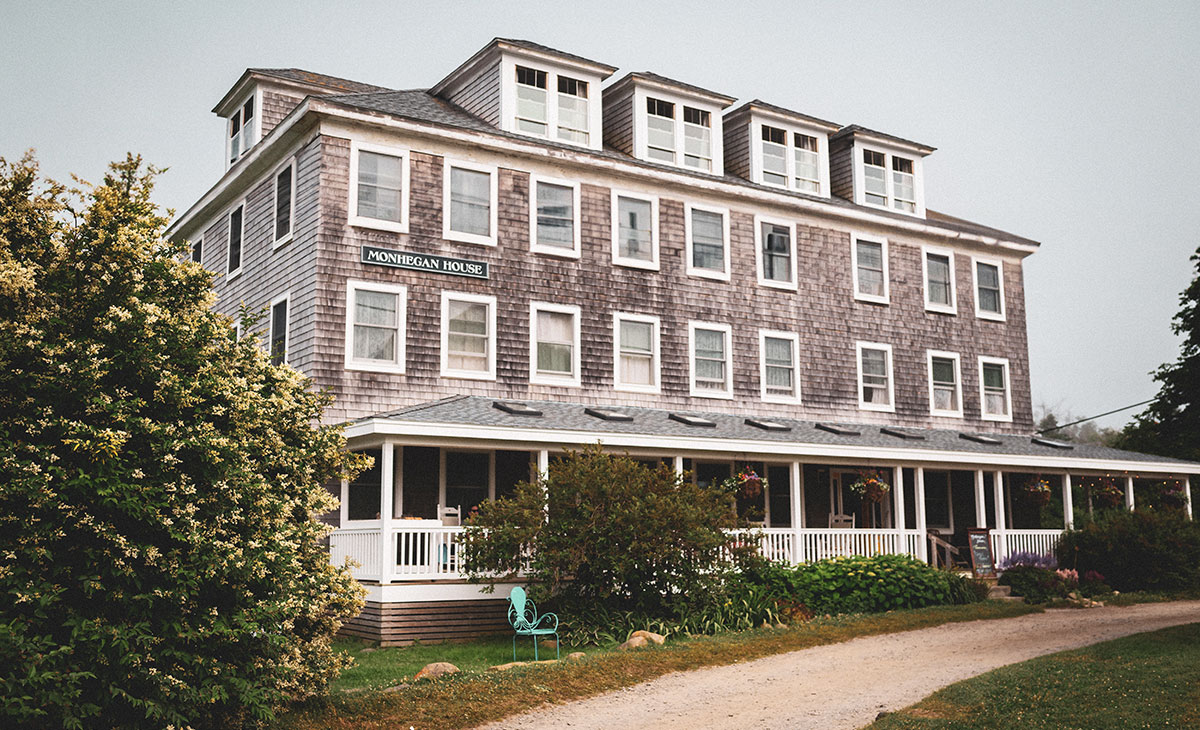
(875, 376)
(235, 238)
(279, 324)
(531, 101)
(697, 146)
(709, 359)
(869, 260)
(635, 233)
(708, 240)
(995, 390)
(774, 163)
(660, 138)
(467, 336)
(779, 365)
(776, 252)
(938, 279)
(555, 343)
(808, 170)
(572, 110)
(636, 352)
(555, 216)
(470, 201)
(380, 182)
(988, 278)
(944, 377)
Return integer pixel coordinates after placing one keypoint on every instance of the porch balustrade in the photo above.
(1040, 542)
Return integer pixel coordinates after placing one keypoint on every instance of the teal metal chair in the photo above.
(525, 621)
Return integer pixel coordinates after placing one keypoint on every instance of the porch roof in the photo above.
(562, 423)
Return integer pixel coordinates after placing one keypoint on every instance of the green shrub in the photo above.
(870, 585)
(1034, 584)
(1137, 551)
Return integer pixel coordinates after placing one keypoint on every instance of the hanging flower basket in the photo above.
(1039, 491)
(870, 487)
(1172, 495)
(1107, 493)
(746, 484)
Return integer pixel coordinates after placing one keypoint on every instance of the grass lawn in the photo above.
(1149, 680)
(473, 696)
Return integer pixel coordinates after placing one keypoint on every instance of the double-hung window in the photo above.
(712, 360)
(707, 231)
(531, 101)
(870, 268)
(198, 250)
(468, 336)
(875, 178)
(779, 373)
(774, 156)
(904, 189)
(989, 289)
(697, 138)
(375, 325)
(807, 173)
(890, 181)
(995, 394)
(875, 386)
(678, 134)
(776, 253)
(284, 207)
(378, 187)
(573, 110)
(635, 353)
(945, 384)
(242, 127)
(939, 280)
(790, 159)
(237, 229)
(554, 350)
(554, 217)
(469, 203)
(549, 104)
(278, 340)
(635, 230)
(660, 130)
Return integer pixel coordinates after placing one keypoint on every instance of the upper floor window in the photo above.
(697, 138)
(776, 253)
(468, 336)
(790, 159)
(573, 110)
(378, 187)
(939, 280)
(995, 395)
(870, 269)
(712, 360)
(285, 202)
(554, 217)
(636, 346)
(375, 319)
(243, 126)
(469, 203)
(550, 104)
(945, 384)
(198, 249)
(707, 231)
(875, 383)
(904, 189)
(635, 230)
(237, 228)
(989, 289)
(678, 134)
(532, 117)
(779, 371)
(890, 181)
(554, 352)
(279, 331)
(660, 130)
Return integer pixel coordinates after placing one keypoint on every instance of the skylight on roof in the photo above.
(688, 420)
(836, 429)
(515, 408)
(979, 438)
(907, 435)
(1042, 441)
(767, 425)
(607, 414)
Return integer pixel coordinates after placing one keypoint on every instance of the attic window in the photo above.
(241, 130)
(836, 429)
(514, 408)
(687, 420)
(890, 181)
(565, 115)
(907, 435)
(796, 165)
(1051, 443)
(979, 438)
(607, 414)
(767, 425)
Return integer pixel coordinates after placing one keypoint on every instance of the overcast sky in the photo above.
(1070, 123)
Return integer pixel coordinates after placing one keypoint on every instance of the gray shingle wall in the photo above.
(481, 95)
(737, 146)
(841, 167)
(277, 105)
(823, 311)
(618, 120)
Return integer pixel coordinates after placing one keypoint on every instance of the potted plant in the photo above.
(870, 486)
(1038, 491)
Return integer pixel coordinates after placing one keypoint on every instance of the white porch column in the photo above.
(1129, 493)
(1187, 496)
(1068, 501)
(922, 523)
(543, 469)
(387, 474)
(1001, 518)
(677, 462)
(797, 498)
(898, 497)
(980, 500)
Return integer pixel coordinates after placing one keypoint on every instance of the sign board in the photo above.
(980, 542)
(424, 262)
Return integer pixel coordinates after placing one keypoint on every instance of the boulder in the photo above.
(650, 636)
(635, 642)
(511, 665)
(436, 669)
(394, 688)
(548, 644)
(575, 656)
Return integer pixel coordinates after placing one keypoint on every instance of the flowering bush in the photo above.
(1108, 493)
(1069, 577)
(1137, 551)
(1034, 584)
(1024, 558)
(870, 486)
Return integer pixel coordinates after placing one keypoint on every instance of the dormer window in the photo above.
(241, 130)
(889, 181)
(660, 130)
(572, 110)
(904, 189)
(697, 138)
(796, 165)
(531, 101)
(568, 118)
(662, 141)
(875, 177)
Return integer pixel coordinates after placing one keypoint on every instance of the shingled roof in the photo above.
(333, 83)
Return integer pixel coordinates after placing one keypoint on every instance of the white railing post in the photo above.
(980, 500)
(1129, 493)
(1187, 496)
(1001, 518)
(543, 470)
(795, 486)
(922, 519)
(387, 474)
(898, 498)
(1068, 501)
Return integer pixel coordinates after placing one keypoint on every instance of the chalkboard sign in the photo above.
(981, 553)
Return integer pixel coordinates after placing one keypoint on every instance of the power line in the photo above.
(1101, 415)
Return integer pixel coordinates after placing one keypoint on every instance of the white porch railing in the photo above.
(361, 546)
(822, 543)
(1007, 542)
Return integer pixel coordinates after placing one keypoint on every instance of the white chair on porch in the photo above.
(447, 554)
(450, 516)
(842, 521)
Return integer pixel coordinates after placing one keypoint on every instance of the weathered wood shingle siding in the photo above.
(481, 95)
(823, 311)
(618, 120)
(737, 146)
(275, 106)
(841, 167)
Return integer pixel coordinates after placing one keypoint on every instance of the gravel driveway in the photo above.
(846, 685)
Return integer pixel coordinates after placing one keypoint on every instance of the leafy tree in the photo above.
(160, 564)
(1080, 433)
(1171, 424)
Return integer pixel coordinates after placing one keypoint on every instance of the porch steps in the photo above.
(1002, 593)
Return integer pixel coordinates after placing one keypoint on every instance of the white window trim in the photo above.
(618, 260)
(855, 238)
(790, 285)
(572, 380)
(934, 306)
(450, 235)
(983, 360)
(727, 330)
(231, 274)
(250, 140)
(656, 352)
(287, 335)
(354, 218)
(446, 370)
(687, 234)
(1002, 315)
(791, 128)
(958, 378)
(534, 246)
(376, 366)
(277, 242)
(891, 376)
(198, 243)
(641, 129)
(762, 366)
(508, 99)
(860, 186)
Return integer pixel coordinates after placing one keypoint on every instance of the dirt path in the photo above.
(846, 685)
